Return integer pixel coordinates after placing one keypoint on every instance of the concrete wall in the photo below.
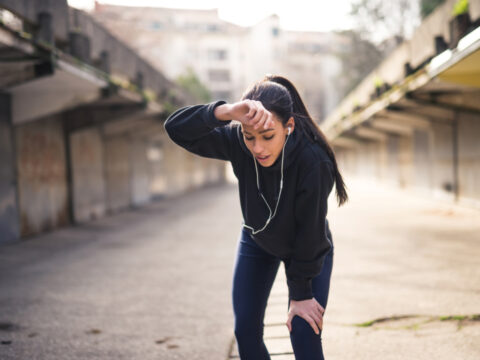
(63, 165)
(442, 159)
(29, 9)
(392, 154)
(140, 171)
(405, 161)
(425, 160)
(469, 156)
(422, 159)
(88, 180)
(9, 224)
(117, 172)
(178, 170)
(42, 175)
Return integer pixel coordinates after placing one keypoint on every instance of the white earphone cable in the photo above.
(270, 216)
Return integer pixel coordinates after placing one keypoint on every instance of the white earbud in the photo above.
(289, 129)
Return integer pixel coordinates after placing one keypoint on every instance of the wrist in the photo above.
(222, 112)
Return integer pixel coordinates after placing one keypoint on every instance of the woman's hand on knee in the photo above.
(309, 310)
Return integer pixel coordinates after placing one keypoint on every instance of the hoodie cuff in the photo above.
(300, 289)
(210, 120)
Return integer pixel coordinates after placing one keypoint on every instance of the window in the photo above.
(156, 25)
(217, 54)
(212, 28)
(218, 75)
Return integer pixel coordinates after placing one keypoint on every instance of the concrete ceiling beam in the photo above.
(445, 106)
(370, 133)
(346, 142)
(129, 124)
(404, 118)
(390, 126)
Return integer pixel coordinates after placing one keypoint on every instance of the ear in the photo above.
(290, 124)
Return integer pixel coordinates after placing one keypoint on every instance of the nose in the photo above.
(257, 148)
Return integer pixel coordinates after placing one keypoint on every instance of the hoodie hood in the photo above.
(294, 145)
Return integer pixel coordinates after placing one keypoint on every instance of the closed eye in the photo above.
(265, 137)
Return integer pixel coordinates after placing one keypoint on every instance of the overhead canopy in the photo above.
(466, 71)
(449, 82)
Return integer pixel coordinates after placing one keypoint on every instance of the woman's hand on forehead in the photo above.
(252, 113)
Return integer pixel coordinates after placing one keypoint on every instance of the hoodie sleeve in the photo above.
(196, 129)
(311, 242)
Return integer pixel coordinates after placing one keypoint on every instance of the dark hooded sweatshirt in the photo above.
(298, 234)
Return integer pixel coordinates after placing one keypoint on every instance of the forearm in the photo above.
(196, 129)
(223, 112)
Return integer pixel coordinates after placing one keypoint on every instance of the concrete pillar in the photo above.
(117, 172)
(140, 171)
(79, 45)
(45, 28)
(104, 61)
(469, 158)
(9, 221)
(405, 161)
(443, 179)
(139, 80)
(393, 162)
(42, 175)
(88, 181)
(422, 159)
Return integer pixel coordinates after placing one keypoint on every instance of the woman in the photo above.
(283, 202)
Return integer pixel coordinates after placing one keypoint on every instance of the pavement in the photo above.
(155, 282)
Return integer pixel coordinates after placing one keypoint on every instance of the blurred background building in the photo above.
(226, 57)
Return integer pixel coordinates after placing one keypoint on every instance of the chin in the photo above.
(270, 163)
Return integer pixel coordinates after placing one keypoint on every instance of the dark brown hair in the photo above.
(278, 95)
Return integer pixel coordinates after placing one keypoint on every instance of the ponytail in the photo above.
(305, 123)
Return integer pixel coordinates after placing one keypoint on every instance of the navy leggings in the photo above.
(254, 274)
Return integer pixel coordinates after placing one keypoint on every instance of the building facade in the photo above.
(227, 57)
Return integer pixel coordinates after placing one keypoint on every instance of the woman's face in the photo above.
(267, 144)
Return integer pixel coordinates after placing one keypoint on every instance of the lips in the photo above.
(264, 158)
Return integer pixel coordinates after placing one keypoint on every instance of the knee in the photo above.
(301, 328)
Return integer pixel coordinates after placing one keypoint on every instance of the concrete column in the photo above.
(468, 132)
(140, 172)
(79, 45)
(45, 28)
(42, 175)
(117, 173)
(9, 221)
(104, 61)
(88, 181)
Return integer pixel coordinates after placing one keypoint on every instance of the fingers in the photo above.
(320, 310)
(289, 322)
(314, 318)
(313, 323)
(252, 108)
(318, 319)
(319, 307)
(263, 120)
(258, 115)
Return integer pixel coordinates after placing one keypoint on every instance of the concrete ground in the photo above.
(155, 283)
